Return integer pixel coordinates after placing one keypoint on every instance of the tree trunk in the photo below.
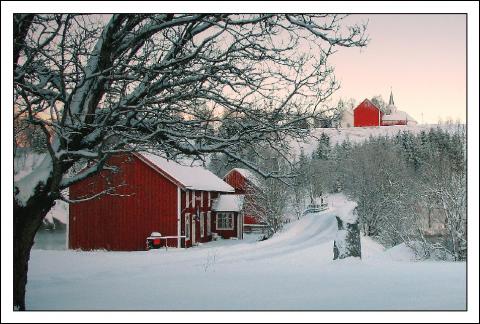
(26, 222)
(347, 241)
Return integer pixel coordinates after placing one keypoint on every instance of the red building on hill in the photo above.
(367, 114)
(152, 195)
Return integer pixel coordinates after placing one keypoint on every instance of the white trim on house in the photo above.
(209, 199)
(239, 227)
(187, 199)
(202, 224)
(194, 231)
(67, 245)
(230, 214)
(179, 222)
(209, 223)
(193, 198)
(201, 198)
(187, 231)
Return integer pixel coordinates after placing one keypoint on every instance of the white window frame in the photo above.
(194, 232)
(201, 198)
(202, 224)
(225, 214)
(209, 223)
(193, 198)
(187, 199)
(187, 222)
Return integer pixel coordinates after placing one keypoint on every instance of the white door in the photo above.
(194, 239)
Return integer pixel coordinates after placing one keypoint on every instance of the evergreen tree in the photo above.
(323, 148)
(380, 103)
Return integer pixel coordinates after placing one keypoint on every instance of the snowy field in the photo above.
(292, 271)
(361, 134)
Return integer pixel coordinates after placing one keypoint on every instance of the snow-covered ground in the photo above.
(360, 134)
(292, 271)
(59, 211)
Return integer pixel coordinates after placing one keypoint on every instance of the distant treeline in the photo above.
(409, 188)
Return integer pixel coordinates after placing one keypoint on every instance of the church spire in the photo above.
(390, 102)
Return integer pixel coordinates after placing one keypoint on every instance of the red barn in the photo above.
(245, 183)
(152, 195)
(367, 114)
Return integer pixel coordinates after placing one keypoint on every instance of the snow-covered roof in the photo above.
(398, 115)
(228, 203)
(190, 177)
(368, 102)
(249, 175)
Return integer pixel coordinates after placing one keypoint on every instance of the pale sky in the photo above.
(422, 57)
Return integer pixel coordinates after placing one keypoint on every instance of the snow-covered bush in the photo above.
(347, 240)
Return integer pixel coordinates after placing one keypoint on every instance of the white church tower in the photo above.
(395, 116)
(391, 108)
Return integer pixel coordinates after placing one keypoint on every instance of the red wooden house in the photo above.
(245, 183)
(152, 195)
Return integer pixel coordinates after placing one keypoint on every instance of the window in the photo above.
(187, 226)
(193, 198)
(202, 224)
(209, 198)
(209, 223)
(201, 198)
(187, 198)
(224, 221)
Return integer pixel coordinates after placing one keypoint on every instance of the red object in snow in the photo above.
(367, 114)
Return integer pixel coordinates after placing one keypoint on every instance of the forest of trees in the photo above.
(410, 188)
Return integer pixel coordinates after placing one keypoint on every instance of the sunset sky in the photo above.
(422, 57)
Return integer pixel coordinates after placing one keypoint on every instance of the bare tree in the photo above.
(300, 184)
(267, 202)
(99, 85)
(444, 187)
(411, 189)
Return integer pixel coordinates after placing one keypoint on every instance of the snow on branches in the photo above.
(171, 81)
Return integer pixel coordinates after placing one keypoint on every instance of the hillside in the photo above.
(360, 134)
